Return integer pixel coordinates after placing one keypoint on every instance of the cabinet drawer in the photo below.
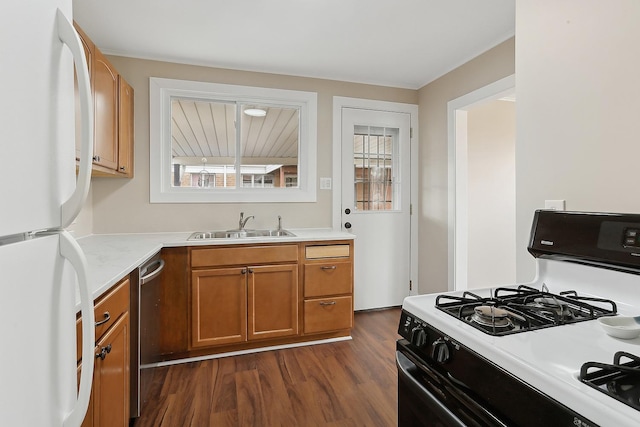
(213, 257)
(115, 303)
(328, 314)
(327, 279)
(327, 251)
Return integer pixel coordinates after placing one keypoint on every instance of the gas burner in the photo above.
(522, 308)
(491, 316)
(553, 305)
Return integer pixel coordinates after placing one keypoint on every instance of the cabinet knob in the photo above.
(122, 168)
(96, 158)
(103, 352)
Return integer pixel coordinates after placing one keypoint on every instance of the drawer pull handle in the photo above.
(107, 317)
(327, 303)
(328, 267)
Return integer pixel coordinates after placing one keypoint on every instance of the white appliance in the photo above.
(42, 269)
(532, 354)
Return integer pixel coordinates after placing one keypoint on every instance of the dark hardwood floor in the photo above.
(348, 383)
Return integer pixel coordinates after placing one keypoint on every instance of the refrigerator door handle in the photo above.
(70, 250)
(68, 35)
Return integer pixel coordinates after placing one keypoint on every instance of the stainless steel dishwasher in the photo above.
(148, 277)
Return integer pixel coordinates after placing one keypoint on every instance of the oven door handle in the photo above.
(405, 366)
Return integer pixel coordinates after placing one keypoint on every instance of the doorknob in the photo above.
(347, 225)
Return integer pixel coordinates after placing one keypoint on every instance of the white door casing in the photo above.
(458, 221)
(385, 251)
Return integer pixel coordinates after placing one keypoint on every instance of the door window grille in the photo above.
(374, 161)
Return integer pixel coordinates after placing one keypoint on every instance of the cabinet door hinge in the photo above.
(410, 132)
(410, 285)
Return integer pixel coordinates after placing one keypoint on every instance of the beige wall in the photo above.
(577, 87)
(487, 68)
(491, 194)
(122, 205)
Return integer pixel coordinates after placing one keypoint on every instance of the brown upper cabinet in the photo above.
(113, 115)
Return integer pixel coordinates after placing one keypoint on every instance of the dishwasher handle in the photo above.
(145, 276)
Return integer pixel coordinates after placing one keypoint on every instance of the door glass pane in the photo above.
(374, 158)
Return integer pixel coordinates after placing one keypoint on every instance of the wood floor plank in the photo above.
(343, 384)
(251, 406)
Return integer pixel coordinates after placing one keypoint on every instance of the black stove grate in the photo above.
(618, 380)
(523, 309)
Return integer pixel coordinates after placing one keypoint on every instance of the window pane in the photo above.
(203, 141)
(373, 160)
(269, 145)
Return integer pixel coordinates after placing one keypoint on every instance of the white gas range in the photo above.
(512, 355)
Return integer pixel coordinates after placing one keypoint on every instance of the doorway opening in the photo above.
(482, 187)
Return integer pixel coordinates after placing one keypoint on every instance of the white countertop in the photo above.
(112, 256)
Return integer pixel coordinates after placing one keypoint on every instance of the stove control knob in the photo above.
(440, 351)
(418, 336)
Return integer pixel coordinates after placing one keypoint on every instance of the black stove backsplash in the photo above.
(607, 240)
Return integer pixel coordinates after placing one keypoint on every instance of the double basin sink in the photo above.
(238, 234)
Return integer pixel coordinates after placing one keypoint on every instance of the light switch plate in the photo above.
(556, 205)
(325, 183)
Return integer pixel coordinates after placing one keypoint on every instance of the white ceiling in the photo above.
(399, 43)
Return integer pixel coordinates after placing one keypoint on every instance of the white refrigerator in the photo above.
(43, 271)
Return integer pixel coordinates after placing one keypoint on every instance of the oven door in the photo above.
(427, 398)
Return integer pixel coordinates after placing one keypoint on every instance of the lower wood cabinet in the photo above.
(233, 305)
(218, 307)
(111, 376)
(215, 299)
(272, 301)
(328, 287)
(109, 404)
(328, 314)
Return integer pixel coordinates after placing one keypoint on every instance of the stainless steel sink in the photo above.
(238, 234)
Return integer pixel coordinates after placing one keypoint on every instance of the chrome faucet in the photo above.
(243, 220)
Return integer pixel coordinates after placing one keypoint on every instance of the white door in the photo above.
(376, 203)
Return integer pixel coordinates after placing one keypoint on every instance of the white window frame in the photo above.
(162, 90)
